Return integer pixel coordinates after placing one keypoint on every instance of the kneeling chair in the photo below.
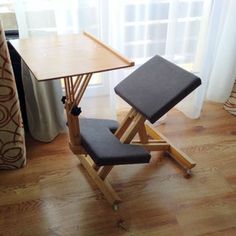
(152, 90)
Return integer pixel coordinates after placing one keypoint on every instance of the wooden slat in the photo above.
(73, 126)
(143, 134)
(105, 171)
(96, 167)
(83, 88)
(78, 82)
(149, 141)
(125, 123)
(103, 185)
(154, 146)
(132, 129)
(72, 93)
(177, 154)
(123, 58)
(77, 149)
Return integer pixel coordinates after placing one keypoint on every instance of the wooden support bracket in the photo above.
(180, 157)
(105, 171)
(154, 146)
(77, 149)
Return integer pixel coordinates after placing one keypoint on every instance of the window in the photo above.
(168, 28)
(7, 15)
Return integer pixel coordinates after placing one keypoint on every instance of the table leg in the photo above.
(75, 88)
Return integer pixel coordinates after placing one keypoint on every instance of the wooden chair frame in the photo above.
(133, 124)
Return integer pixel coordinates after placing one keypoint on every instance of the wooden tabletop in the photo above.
(57, 57)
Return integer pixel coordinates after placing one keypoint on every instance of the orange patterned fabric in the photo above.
(12, 143)
(230, 105)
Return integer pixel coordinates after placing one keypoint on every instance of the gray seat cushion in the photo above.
(157, 86)
(104, 148)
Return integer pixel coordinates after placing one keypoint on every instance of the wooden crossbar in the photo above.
(143, 134)
(179, 156)
(77, 82)
(83, 88)
(154, 146)
(125, 123)
(132, 129)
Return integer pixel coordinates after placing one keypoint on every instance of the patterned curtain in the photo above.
(12, 142)
(230, 104)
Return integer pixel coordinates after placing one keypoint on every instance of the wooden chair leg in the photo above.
(96, 167)
(126, 132)
(125, 123)
(103, 185)
(143, 134)
(105, 171)
(180, 157)
(132, 130)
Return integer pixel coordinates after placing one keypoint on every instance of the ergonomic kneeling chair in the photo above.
(152, 90)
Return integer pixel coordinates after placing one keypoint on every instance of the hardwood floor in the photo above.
(54, 196)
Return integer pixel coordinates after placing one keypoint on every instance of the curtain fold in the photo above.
(215, 61)
(12, 139)
(44, 108)
(230, 104)
(219, 67)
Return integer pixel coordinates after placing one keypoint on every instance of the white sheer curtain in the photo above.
(220, 69)
(198, 35)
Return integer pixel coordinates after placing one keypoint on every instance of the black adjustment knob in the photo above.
(63, 99)
(76, 110)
